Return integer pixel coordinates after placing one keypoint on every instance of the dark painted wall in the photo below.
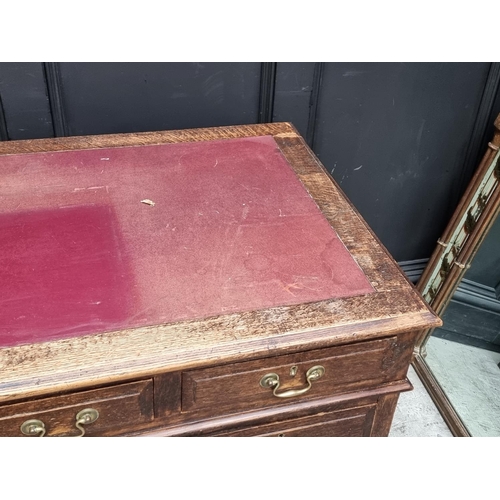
(24, 101)
(119, 97)
(394, 136)
(402, 140)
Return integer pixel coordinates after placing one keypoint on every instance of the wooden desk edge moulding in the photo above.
(334, 366)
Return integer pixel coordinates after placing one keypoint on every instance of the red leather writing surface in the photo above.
(61, 271)
(232, 229)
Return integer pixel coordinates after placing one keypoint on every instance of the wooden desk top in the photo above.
(133, 253)
(102, 240)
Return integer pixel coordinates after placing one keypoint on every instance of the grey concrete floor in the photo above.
(471, 379)
(416, 415)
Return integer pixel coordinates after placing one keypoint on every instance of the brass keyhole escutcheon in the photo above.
(33, 428)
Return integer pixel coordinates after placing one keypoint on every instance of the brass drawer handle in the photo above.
(84, 417)
(33, 428)
(37, 427)
(273, 380)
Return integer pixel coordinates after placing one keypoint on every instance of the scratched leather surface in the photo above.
(231, 229)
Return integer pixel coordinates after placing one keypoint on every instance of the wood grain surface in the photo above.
(354, 422)
(121, 406)
(69, 364)
(185, 425)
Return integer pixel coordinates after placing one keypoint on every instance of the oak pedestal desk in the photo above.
(208, 282)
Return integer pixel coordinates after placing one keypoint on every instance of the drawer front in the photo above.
(237, 387)
(117, 407)
(353, 422)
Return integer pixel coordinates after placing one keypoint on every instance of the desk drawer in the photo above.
(238, 387)
(118, 406)
(341, 423)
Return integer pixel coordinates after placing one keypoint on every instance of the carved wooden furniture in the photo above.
(197, 282)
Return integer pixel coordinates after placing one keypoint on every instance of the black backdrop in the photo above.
(402, 139)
